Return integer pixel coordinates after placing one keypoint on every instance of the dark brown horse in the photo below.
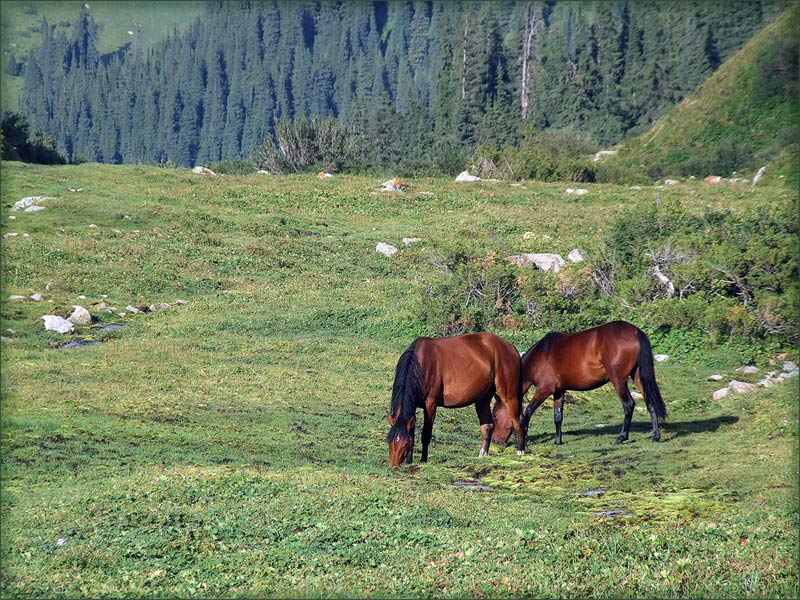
(586, 360)
(453, 372)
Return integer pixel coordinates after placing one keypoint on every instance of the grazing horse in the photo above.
(586, 360)
(453, 372)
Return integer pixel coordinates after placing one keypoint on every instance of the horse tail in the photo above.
(647, 374)
(408, 389)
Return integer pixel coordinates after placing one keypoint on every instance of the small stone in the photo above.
(410, 240)
(37, 297)
(577, 255)
(17, 297)
(740, 387)
(80, 316)
(57, 324)
(34, 208)
(385, 249)
(747, 370)
(660, 357)
(721, 393)
(6, 340)
(715, 377)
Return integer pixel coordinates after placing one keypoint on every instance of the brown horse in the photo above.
(586, 360)
(453, 372)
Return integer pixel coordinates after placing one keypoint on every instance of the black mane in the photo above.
(407, 391)
(543, 345)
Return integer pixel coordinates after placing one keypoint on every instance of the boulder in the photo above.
(34, 208)
(385, 249)
(740, 387)
(29, 201)
(542, 261)
(465, 176)
(747, 370)
(789, 366)
(57, 324)
(79, 316)
(721, 393)
(203, 171)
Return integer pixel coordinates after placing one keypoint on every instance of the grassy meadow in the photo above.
(234, 446)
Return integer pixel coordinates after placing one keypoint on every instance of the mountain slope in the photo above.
(743, 117)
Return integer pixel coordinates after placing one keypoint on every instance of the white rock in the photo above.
(262, 172)
(715, 377)
(789, 366)
(740, 387)
(635, 187)
(11, 234)
(721, 393)
(747, 370)
(17, 297)
(385, 249)
(92, 226)
(159, 306)
(759, 175)
(132, 309)
(671, 182)
(6, 340)
(577, 192)
(410, 240)
(80, 316)
(37, 297)
(577, 255)
(543, 261)
(203, 170)
(602, 153)
(766, 382)
(29, 201)
(465, 176)
(636, 396)
(660, 357)
(35, 208)
(789, 375)
(57, 324)
(180, 302)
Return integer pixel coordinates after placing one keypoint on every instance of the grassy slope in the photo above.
(745, 104)
(20, 22)
(235, 445)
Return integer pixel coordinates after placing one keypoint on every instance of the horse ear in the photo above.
(390, 419)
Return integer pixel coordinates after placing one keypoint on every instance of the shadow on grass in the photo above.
(672, 429)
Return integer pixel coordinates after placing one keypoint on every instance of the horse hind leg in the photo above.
(558, 414)
(653, 415)
(620, 384)
(483, 408)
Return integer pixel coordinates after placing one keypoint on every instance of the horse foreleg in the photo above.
(427, 430)
(483, 409)
(558, 414)
(538, 398)
(653, 416)
(621, 386)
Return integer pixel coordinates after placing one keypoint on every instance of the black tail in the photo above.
(647, 374)
(408, 390)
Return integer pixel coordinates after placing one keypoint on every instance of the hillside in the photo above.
(743, 117)
(20, 29)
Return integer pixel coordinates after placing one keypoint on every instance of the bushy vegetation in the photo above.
(731, 275)
(16, 143)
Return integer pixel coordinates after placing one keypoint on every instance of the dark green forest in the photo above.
(406, 82)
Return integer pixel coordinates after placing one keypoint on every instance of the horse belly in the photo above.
(457, 395)
(590, 378)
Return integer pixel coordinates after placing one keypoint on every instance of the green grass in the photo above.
(234, 446)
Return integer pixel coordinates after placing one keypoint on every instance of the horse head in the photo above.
(401, 440)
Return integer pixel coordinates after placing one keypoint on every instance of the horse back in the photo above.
(584, 360)
(467, 368)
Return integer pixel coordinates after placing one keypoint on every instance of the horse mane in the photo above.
(543, 345)
(408, 388)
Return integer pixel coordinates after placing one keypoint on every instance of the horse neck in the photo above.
(528, 365)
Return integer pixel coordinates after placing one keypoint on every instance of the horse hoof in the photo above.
(520, 452)
(620, 439)
(656, 438)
